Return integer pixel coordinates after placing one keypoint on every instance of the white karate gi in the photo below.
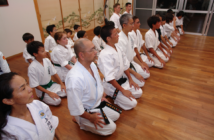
(43, 129)
(70, 44)
(27, 56)
(98, 43)
(4, 67)
(179, 22)
(169, 29)
(127, 12)
(138, 40)
(152, 41)
(85, 92)
(112, 65)
(116, 19)
(127, 45)
(61, 55)
(41, 75)
(75, 38)
(50, 43)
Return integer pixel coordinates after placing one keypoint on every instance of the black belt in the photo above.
(102, 105)
(178, 26)
(58, 65)
(132, 66)
(120, 82)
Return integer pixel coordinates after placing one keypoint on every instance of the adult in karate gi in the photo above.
(22, 117)
(97, 40)
(136, 35)
(114, 65)
(126, 43)
(27, 38)
(179, 22)
(50, 43)
(76, 30)
(4, 67)
(128, 8)
(170, 29)
(86, 98)
(40, 72)
(153, 44)
(116, 17)
(62, 56)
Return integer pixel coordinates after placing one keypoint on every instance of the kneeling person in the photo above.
(86, 95)
(40, 72)
(114, 65)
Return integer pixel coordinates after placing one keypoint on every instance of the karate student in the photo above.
(175, 33)
(153, 44)
(165, 46)
(86, 98)
(170, 29)
(163, 32)
(22, 117)
(114, 65)
(126, 43)
(179, 22)
(27, 38)
(62, 56)
(82, 34)
(76, 29)
(50, 43)
(140, 43)
(116, 17)
(40, 72)
(70, 41)
(4, 67)
(128, 8)
(97, 40)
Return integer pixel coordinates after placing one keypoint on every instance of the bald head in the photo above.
(80, 46)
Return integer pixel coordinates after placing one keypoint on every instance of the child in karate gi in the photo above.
(62, 56)
(27, 38)
(76, 29)
(40, 72)
(22, 117)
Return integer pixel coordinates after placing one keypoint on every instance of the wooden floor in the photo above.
(177, 101)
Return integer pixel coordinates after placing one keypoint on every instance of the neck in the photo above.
(153, 29)
(85, 64)
(128, 11)
(135, 29)
(117, 13)
(111, 44)
(39, 60)
(19, 111)
(125, 32)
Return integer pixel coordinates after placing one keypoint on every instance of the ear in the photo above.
(81, 55)
(35, 54)
(108, 39)
(8, 101)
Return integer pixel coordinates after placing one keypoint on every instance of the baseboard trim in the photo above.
(14, 56)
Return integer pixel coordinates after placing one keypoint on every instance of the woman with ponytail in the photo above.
(22, 117)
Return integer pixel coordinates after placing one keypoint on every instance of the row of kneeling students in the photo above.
(117, 50)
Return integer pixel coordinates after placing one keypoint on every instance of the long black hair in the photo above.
(5, 93)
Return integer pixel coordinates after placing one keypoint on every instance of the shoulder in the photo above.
(38, 104)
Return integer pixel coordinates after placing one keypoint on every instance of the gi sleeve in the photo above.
(33, 77)
(74, 90)
(149, 41)
(106, 66)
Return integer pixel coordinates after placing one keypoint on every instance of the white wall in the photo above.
(15, 20)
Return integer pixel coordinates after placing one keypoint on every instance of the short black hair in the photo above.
(68, 31)
(134, 18)
(80, 34)
(128, 3)
(76, 26)
(34, 46)
(97, 30)
(110, 23)
(169, 17)
(163, 18)
(49, 28)
(27, 36)
(153, 20)
(170, 11)
(180, 13)
(106, 31)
